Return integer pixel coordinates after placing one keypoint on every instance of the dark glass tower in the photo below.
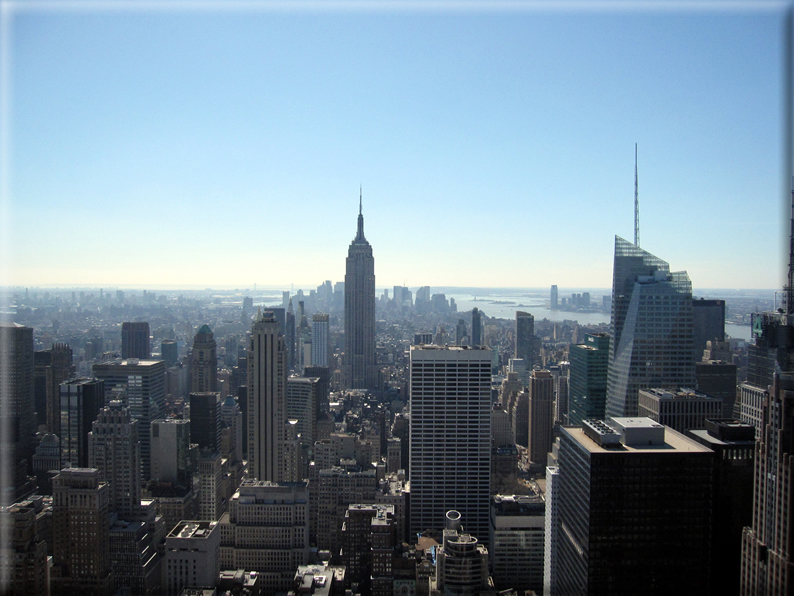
(588, 384)
(360, 311)
(525, 334)
(135, 341)
(476, 327)
(204, 362)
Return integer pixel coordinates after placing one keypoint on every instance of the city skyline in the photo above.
(517, 122)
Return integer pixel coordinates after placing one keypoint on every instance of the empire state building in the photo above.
(360, 368)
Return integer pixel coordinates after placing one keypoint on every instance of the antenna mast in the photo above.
(636, 202)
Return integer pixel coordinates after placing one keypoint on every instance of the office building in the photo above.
(304, 335)
(733, 444)
(192, 556)
(681, 410)
(766, 554)
(651, 328)
(114, 449)
(367, 547)
(517, 541)
(204, 362)
(525, 338)
(540, 417)
(211, 482)
(266, 530)
(24, 568)
(634, 503)
(51, 368)
(232, 432)
(718, 379)
(588, 378)
(320, 340)
(708, 324)
(361, 370)
(476, 327)
(336, 488)
(461, 335)
(302, 405)
(205, 421)
(461, 561)
(553, 298)
(170, 441)
(289, 337)
(80, 403)
(169, 350)
(135, 341)
(18, 417)
(267, 388)
(81, 534)
(450, 445)
(142, 387)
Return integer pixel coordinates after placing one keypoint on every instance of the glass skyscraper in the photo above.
(651, 328)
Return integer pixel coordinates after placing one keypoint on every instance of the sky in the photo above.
(184, 143)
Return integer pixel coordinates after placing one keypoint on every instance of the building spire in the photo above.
(360, 197)
(636, 202)
(790, 288)
(360, 232)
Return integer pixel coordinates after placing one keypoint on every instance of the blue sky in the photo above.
(495, 147)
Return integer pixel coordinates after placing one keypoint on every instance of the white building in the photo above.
(450, 441)
(266, 529)
(192, 556)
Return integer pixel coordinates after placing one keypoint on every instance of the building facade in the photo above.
(450, 436)
(588, 378)
(204, 362)
(135, 341)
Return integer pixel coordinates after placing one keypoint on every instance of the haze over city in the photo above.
(200, 145)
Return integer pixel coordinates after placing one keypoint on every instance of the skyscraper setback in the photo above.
(360, 367)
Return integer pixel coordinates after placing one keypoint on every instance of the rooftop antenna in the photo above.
(360, 197)
(636, 203)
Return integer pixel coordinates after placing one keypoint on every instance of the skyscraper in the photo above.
(634, 504)
(651, 328)
(81, 400)
(476, 327)
(267, 388)
(319, 340)
(450, 446)
(525, 336)
(360, 366)
(540, 415)
(142, 387)
(204, 362)
(289, 336)
(18, 416)
(588, 384)
(205, 420)
(553, 298)
(114, 450)
(135, 341)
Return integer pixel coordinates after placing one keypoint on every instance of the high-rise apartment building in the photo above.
(634, 503)
(115, 451)
(651, 328)
(18, 416)
(360, 366)
(80, 403)
(450, 445)
(588, 378)
(81, 517)
(525, 338)
(135, 341)
(204, 362)
(267, 388)
(320, 339)
(141, 384)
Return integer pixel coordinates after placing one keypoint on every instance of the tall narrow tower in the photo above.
(267, 388)
(360, 311)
